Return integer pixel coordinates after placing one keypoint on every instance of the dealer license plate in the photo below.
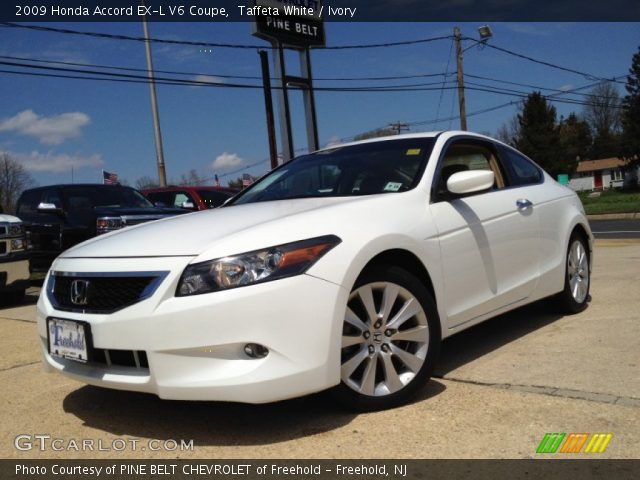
(68, 339)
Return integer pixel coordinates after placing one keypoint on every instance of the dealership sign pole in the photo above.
(297, 26)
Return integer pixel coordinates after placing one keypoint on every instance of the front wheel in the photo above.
(390, 340)
(574, 297)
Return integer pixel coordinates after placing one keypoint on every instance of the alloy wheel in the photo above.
(578, 271)
(385, 339)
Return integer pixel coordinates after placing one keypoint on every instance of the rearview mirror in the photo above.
(49, 208)
(470, 181)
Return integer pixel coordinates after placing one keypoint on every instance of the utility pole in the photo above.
(162, 176)
(463, 113)
(268, 104)
(398, 127)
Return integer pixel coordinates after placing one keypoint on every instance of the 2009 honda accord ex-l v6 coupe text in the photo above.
(341, 269)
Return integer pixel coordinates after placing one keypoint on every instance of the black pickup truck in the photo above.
(58, 217)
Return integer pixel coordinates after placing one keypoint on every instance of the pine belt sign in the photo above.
(295, 23)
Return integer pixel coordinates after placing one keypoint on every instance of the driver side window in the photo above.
(462, 156)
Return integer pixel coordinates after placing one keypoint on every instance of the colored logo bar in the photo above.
(573, 442)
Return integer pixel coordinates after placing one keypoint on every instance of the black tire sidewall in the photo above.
(399, 276)
(568, 303)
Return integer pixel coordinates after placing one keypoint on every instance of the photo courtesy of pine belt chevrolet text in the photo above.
(342, 269)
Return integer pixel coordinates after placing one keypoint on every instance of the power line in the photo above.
(112, 36)
(588, 76)
(220, 75)
(174, 81)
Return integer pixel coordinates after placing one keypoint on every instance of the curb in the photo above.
(614, 216)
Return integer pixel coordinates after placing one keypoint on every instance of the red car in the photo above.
(189, 197)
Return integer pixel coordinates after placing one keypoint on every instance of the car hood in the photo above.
(250, 226)
(8, 218)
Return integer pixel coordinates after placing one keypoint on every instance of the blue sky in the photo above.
(53, 124)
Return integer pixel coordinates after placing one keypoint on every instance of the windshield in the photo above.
(122, 197)
(390, 166)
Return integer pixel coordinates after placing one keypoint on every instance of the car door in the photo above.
(489, 241)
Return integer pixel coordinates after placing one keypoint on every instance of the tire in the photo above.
(388, 347)
(574, 297)
(11, 297)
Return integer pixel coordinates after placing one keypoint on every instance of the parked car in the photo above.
(58, 217)
(188, 197)
(14, 258)
(341, 269)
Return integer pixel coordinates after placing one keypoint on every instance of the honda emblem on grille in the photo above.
(79, 292)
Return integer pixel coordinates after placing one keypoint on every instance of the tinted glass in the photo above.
(379, 167)
(213, 199)
(166, 198)
(522, 170)
(91, 197)
(28, 202)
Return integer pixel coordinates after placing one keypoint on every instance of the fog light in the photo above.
(255, 350)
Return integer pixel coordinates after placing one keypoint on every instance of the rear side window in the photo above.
(213, 199)
(522, 171)
(28, 203)
(165, 198)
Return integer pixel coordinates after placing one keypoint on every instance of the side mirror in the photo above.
(188, 205)
(470, 181)
(49, 208)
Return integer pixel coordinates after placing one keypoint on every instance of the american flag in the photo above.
(246, 180)
(109, 178)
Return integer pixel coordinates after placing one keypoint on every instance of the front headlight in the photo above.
(108, 224)
(16, 229)
(254, 267)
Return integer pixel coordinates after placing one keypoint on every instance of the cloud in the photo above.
(566, 87)
(206, 79)
(226, 160)
(56, 163)
(334, 140)
(52, 130)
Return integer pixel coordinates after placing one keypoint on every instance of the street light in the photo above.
(485, 34)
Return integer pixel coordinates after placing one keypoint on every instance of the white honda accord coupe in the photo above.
(340, 269)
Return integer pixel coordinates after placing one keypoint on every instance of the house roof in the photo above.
(601, 164)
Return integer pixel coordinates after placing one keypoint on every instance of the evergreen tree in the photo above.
(538, 135)
(630, 147)
(575, 141)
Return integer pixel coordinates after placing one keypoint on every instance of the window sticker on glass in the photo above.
(392, 186)
(413, 151)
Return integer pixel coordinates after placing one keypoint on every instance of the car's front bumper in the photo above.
(14, 271)
(195, 345)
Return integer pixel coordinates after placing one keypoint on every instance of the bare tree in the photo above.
(509, 131)
(602, 109)
(146, 182)
(192, 178)
(14, 178)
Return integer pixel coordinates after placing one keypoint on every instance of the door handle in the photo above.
(523, 203)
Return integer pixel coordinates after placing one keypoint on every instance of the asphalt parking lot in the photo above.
(500, 387)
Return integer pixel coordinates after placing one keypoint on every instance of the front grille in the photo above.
(130, 220)
(100, 293)
(120, 358)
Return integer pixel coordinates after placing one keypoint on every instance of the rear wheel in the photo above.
(575, 296)
(390, 340)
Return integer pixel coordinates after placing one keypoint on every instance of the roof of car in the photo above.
(403, 137)
(78, 185)
(171, 188)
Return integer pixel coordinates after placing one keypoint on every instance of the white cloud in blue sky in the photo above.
(226, 161)
(52, 130)
(56, 162)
